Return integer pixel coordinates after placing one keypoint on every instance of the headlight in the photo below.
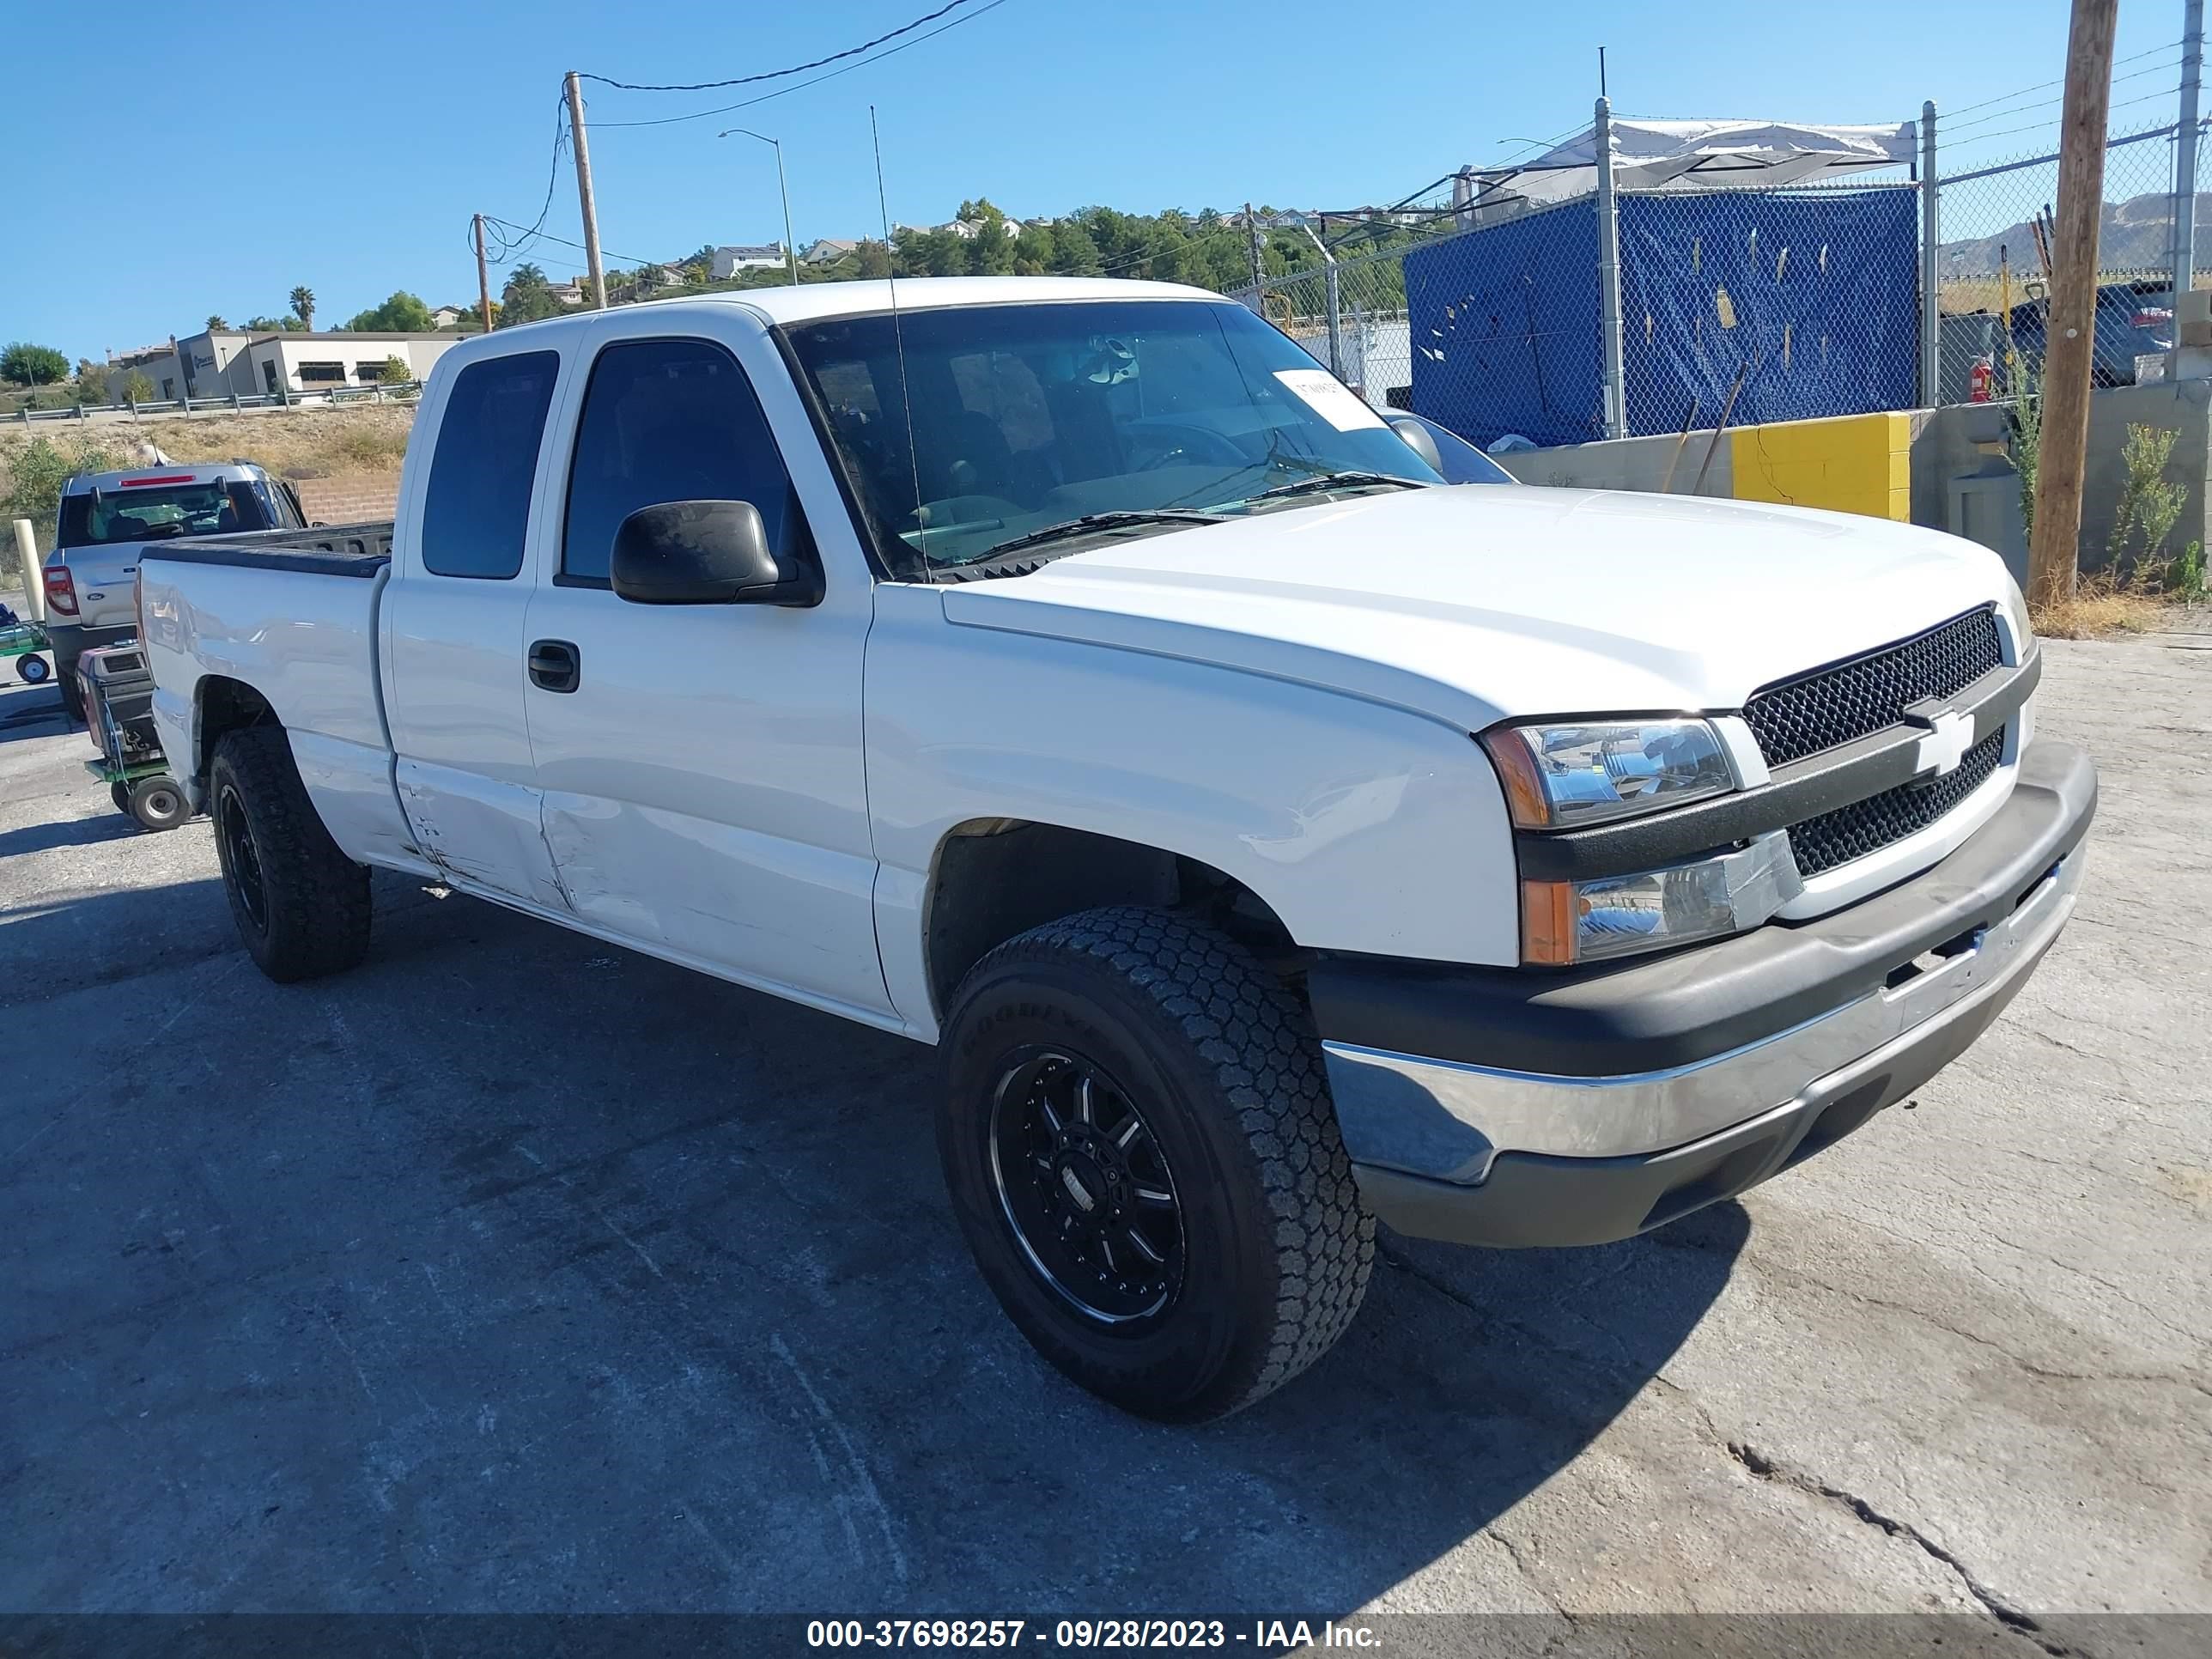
(1571, 921)
(1566, 775)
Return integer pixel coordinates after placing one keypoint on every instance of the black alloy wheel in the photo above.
(241, 862)
(1086, 1188)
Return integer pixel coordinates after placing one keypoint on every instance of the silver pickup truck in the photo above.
(106, 519)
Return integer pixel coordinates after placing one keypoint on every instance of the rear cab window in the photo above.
(476, 514)
(160, 509)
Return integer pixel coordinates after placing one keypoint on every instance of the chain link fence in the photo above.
(1993, 267)
(1736, 307)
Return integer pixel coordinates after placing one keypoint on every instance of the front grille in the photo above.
(1855, 699)
(1868, 826)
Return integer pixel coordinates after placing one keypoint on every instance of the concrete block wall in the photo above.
(349, 497)
(1849, 464)
(1901, 466)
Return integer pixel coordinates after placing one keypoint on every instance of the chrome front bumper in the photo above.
(1469, 1113)
(1493, 1154)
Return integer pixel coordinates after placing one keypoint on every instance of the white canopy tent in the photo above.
(1690, 156)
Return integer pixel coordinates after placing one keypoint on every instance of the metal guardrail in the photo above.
(403, 392)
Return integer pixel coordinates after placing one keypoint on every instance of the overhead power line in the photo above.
(514, 239)
(782, 92)
(2042, 86)
(778, 75)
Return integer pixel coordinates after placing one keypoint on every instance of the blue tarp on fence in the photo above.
(1505, 328)
(1823, 287)
(1812, 297)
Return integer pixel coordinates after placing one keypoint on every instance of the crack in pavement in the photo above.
(1760, 1464)
(1521, 1568)
(1766, 1467)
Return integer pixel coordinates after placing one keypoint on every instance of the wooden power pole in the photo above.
(2069, 328)
(483, 278)
(575, 90)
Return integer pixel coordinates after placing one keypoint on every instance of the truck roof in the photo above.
(816, 300)
(819, 300)
(84, 484)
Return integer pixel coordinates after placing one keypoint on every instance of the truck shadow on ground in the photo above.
(67, 832)
(34, 712)
(646, 1287)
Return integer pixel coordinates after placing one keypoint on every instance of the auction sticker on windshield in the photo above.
(1329, 397)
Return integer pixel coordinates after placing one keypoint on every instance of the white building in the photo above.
(223, 362)
(827, 251)
(729, 261)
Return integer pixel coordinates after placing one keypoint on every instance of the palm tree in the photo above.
(303, 307)
(216, 321)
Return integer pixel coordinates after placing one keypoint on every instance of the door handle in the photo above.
(556, 666)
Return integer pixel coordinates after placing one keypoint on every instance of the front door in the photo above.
(702, 771)
(453, 643)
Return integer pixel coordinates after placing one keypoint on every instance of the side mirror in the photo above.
(705, 553)
(1418, 438)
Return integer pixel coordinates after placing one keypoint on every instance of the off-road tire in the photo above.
(314, 899)
(1224, 1064)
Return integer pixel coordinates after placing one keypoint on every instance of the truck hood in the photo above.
(1481, 603)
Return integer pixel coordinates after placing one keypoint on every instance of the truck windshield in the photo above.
(1081, 420)
(156, 511)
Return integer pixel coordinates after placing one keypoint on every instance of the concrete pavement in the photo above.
(513, 1272)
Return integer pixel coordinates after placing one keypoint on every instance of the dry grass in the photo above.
(1957, 296)
(359, 438)
(2102, 609)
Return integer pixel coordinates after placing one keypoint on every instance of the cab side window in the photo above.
(477, 509)
(670, 421)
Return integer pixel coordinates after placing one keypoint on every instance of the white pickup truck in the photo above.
(1073, 675)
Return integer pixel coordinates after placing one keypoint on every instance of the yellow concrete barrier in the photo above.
(1849, 464)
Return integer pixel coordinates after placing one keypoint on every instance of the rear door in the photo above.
(452, 621)
(704, 787)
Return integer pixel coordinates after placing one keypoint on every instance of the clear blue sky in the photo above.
(167, 160)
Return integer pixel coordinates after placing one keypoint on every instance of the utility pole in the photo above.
(2185, 153)
(1252, 242)
(2055, 553)
(583, 192)
(483, 278)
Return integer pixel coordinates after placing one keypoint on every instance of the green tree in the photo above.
(395, 372)
(873, 259)
(91, 381)
(214, 321)
(303, 305)
(33, 364)
(1074, 253)
(137, 389)
(35, 475)
(527, 296)
(403, 313)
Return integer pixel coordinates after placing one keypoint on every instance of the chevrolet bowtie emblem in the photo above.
(1950, 734)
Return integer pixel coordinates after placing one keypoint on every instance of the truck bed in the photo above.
(342, 549)
(307, 646)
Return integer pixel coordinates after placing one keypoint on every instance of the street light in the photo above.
(790, 252)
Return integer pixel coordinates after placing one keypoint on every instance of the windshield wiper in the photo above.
(1094, 521)
(1323, 482)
